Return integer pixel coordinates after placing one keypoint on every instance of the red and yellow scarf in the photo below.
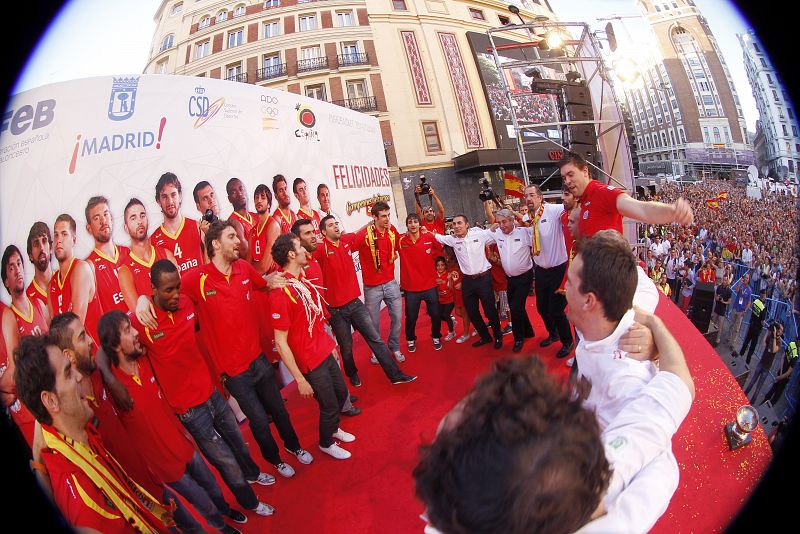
(372, 242)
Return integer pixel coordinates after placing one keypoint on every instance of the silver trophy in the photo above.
(738, 432)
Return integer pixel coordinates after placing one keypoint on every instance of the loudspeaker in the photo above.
(580, 133)
(579, 112)
(574, 94)
(589, 152)
(702, 304)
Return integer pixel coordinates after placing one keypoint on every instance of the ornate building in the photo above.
(406, 62)
(686, 114)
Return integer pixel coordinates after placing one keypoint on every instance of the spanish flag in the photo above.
(515, 186)
(712, 203)
(723, 195)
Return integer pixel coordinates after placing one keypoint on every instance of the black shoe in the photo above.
(564, 351)
(547, 342)
(734, 354)
(227, 529)
(237, 516)
(507, 330)
(355, 380)
(352, 411)
(403, 379)
(353, 398)
(517, 346)
(498, 343)
(482, 341)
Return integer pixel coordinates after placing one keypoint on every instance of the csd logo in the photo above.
(199, 106)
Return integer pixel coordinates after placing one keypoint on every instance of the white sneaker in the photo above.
(570, 361)
(285, 470)
(343, 436)
(336, 451)
(264, 509)
(265, 479)
(462, 339)
(450, 336)
(437, 344)
(412, 346)
(373, 360)
(473, 333)
(399, 356)
(303, 456)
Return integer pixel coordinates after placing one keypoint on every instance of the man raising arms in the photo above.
(134, 274)
(347, 311)
(305, 347)
(73, 287)
(178, 234)
(40, 251)
(106, 258)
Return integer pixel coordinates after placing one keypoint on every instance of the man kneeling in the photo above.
(305, 347)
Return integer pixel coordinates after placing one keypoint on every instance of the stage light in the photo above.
(626, 69)
(554, 40)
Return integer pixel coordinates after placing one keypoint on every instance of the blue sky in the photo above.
(122, 31)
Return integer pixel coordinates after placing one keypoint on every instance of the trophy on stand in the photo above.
(738, 432)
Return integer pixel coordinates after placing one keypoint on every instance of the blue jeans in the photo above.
(215, 430)
(390, 294)
(354, 314)
(258, 396)
(200, 488)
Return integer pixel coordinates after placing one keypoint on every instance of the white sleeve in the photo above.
(646, 295)
(444, 239)
(643, 429)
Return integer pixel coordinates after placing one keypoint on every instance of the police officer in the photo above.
(756, 324)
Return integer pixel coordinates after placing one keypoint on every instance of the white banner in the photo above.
(115, 136)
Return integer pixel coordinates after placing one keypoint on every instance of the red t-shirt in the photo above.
(35, 292)
(247, 222)
(443, 288)
(19, 413)
(599, 209)
(386, 245)
(105, 273)
(175, 357)
(338, 270)
(417, 267)
(81, 502)
(289, 313)
(184, 244)
(437, 227)
(61, 300)
(227, 311)
(285, 220)
(140, 269)
(116, 438)
(568, 237)
(32, 324)
(153, 427)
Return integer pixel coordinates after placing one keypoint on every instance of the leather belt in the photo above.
(479, 275)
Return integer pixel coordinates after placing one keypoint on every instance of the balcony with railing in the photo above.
(363, 104)
(238, 78)
(353, 59)
(312, 64)
(273, 71)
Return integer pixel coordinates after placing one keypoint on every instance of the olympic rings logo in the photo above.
(269, 110)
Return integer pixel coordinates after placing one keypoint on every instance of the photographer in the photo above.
(433, 222)
(784, 373)
(772, 344)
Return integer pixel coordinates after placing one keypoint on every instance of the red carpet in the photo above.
(373, 491)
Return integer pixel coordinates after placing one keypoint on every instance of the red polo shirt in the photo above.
(152, 427)
(177, 362)
(417, 267)
(289, 313)
(443, 288)
(227, 312)
(437, 227)
(385, 247)
(338, 270)
(599, 209)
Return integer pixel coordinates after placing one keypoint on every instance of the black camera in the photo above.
(486, 193)
(209, 217)
(424, 186)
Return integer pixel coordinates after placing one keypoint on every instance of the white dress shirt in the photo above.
(747, 256)
(515, 250)
(551, 238)
(470, 250)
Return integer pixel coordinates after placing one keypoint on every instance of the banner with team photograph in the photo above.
(114, 136)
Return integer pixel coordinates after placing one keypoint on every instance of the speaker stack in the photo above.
(702, 304)
(580, 138)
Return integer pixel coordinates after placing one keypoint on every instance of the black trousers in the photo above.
(751, 340)
(480, 289)
(414, 300)
(518, 288)
(330, 392)
(550, 304)
(444, 314)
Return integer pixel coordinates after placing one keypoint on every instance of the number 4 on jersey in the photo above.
(177, 252)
